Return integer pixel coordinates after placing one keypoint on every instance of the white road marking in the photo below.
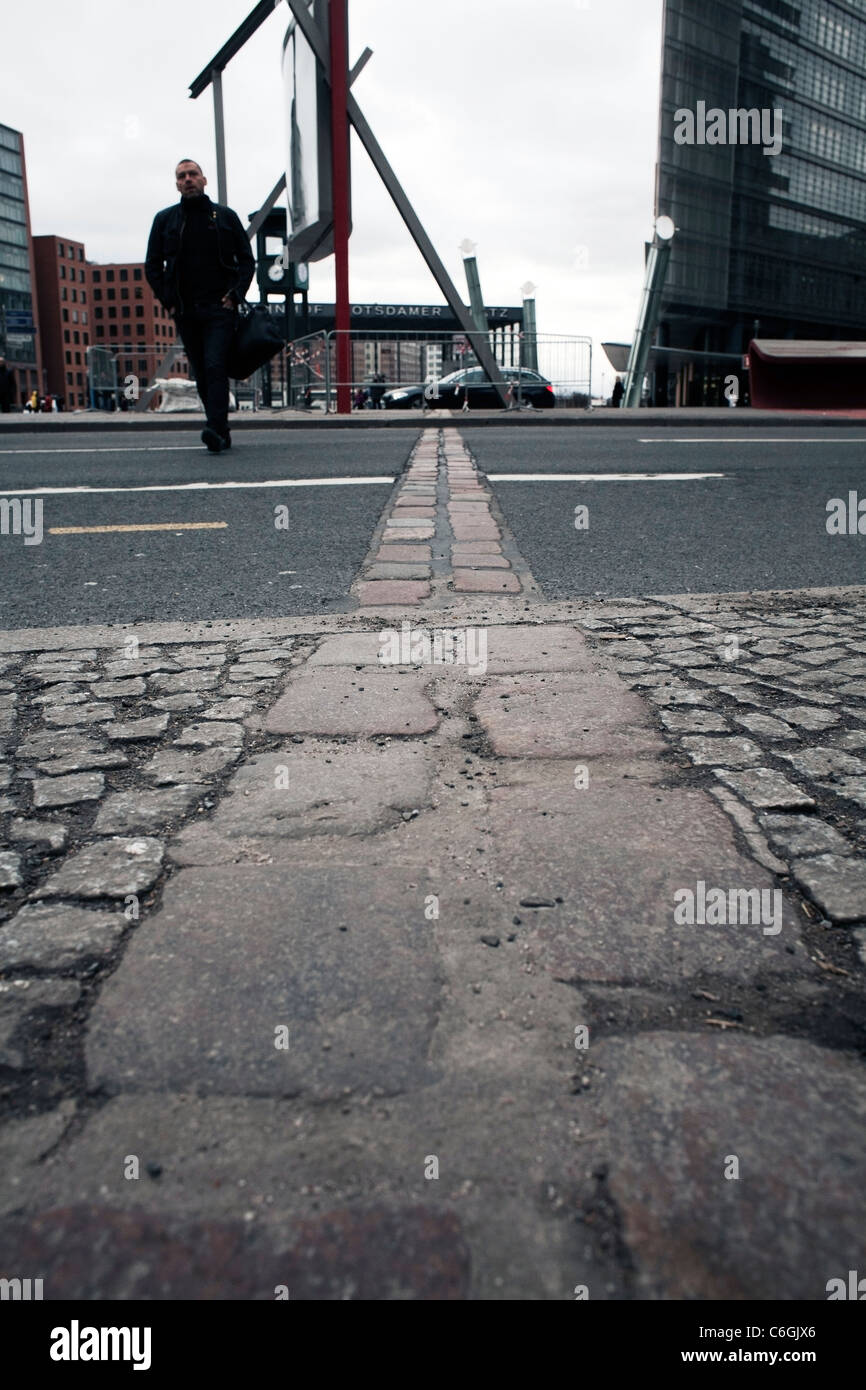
(176, 526)
(600, 477)
(196, 487)
(107, 449)
(752, 440)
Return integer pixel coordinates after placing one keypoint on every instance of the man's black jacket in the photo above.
(163, 250)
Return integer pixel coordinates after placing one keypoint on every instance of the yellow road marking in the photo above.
(151, 526)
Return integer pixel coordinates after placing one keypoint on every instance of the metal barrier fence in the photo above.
(418, 365)
(119, 374)
(390, 369)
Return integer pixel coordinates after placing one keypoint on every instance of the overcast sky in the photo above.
(529, 128)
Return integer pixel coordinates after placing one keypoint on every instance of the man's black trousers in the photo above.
(207, 331)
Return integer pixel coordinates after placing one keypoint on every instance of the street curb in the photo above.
(710, 418)
(491, 611)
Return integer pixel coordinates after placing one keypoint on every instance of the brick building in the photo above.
(100, 324)
(130, 323)
(62, 295)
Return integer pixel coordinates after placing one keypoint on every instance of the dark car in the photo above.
(471, 385)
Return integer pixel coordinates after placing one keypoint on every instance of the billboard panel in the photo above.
(308, 133)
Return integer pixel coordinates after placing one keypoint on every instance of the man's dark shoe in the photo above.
(214, 441)
(227, 439)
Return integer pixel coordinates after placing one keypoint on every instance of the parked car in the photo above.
(472, 385)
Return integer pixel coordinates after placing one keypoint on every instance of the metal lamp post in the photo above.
(656, 271)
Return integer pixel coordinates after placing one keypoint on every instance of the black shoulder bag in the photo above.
(257, 339)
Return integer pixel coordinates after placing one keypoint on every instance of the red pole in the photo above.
(338, 23)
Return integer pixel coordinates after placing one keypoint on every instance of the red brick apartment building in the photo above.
(130, 322)
(109, 310)
(62, 295)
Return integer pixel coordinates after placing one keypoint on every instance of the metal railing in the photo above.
(304, 376)
(119, 376)
(388, 360)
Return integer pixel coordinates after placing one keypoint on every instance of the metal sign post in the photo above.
(319, 46)
(339, 68)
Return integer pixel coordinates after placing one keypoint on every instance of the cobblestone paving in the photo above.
(104, 754)
(258, 850)
(769, 709)
(442, 535)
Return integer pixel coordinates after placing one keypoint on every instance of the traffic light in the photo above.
(270, 265)
(274, 272)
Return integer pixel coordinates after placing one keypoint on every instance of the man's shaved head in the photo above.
(189, 179)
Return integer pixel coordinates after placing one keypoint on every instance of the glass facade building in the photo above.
(18, 327)
(768, 244)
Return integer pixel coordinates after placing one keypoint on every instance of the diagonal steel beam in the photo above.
(319, 45)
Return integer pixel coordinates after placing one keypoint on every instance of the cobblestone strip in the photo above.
(104, 754)
(399, 568)
(768, 706)
(442, 535)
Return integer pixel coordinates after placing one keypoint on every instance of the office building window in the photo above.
(97, 276)
(75, 296)
(97, 294)
(111, 294)
(109, 275)
(69, 358)
(75, 337)
(136, 274)
(60, 250)
(65, 315)
(124, 293)
(124, 274)
(63, 272)
(66, 337)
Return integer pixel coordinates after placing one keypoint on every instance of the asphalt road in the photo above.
(761, 525)
(235, 563)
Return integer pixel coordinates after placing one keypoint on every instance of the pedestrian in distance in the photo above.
(8, 388)
(199, 265)
(377, 391)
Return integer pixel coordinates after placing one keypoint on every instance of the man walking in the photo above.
(199, 265)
